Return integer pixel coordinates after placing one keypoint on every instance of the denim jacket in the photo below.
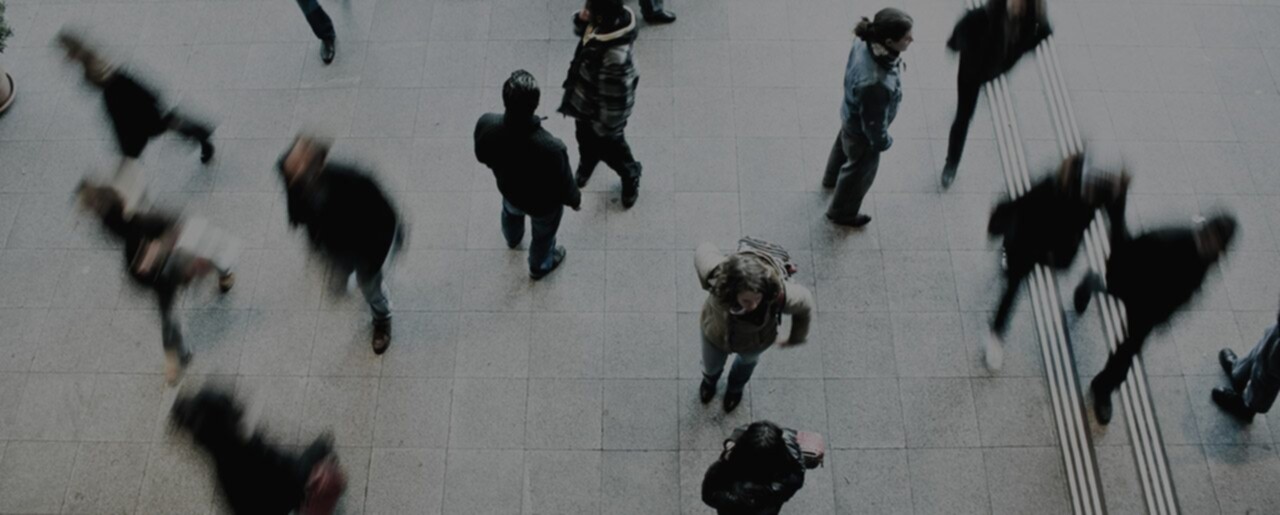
(872, 92)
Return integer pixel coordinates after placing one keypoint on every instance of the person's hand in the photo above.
(783, 343)
(576, 207)
(584, 14)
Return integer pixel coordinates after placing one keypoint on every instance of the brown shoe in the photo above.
(226, 282)
(381, 336)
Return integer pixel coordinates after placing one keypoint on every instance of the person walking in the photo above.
(872, 91)
(990, 40)
(1154, 274)
(749, 293)
(164, 254)
(1255, 380)
(654, 13)
(322, 27)
(135, 113)
(757, 472)
(349, 219)
(532, 170)
(600, 91)
(1045, 226)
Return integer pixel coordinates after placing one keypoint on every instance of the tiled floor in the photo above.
(577, 394)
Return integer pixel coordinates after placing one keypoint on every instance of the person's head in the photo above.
(1016, 7)
(745, 284)
(306, 155)
(100, 200)
(890, 28)
(604, 10)
(762, 450)
(1214, 235)
(96, 68)
(520, 94)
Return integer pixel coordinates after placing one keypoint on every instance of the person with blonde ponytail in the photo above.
(872, 92)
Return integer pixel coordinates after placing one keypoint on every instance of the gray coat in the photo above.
(872, 91)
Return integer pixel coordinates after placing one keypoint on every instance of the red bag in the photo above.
(324, 487)
(813, 449)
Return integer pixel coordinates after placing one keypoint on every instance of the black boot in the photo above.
(948, 175)
(1084, 292)
(1101, 403)
(1231, 402)
(381, 336)
(731, 401)
(1227, 358)
(584, 174)
(630, 191)
(660, 16)
(206, 151)
(328, 50)
(707, 390)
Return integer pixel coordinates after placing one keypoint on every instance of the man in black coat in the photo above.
(1154, 274)
(348, 218)
(532, 170)
(1045, 226)
(990, 41)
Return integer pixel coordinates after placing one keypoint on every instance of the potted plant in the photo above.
(7, 91)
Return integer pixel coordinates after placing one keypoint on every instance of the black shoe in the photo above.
(856, 222)
(732, 400)
(328, 49)
(557, 257)
(630, 191)
(706, 391)
(1227, 358)
(1084, 292)
(206, 152)
(1232, 403)
(1101, 403)
(381, 336)
(661, 16)
(948, 175)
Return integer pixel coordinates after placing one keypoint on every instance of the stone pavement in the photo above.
(577, 394)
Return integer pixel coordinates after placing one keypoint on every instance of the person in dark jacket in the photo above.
(158, 258)
(135, 112)
(348, 218)
(1045, 226)
(1154, 274)
(990, 40)
(322, 27)
(756, 474)
(872, 91)
(600, 91)
(1255, 380)
(532, 170)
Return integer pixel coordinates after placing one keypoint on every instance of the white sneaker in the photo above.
(993, 350)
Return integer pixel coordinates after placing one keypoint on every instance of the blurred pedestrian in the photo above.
(600, 91)
(322, 27)
(749, 293)
(1255, 380)
(654, 13)
(256, 476)
(872, 91)
(990, 40)
(164, 254)
(1154, 274)
(758, 471)
(348, 218)
(1045, 226)
(135, 113)
(532, 170)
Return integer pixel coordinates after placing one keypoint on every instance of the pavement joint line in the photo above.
(1143, 427)
(1078, 456)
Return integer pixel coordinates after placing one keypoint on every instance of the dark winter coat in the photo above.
(530, 165)
(347, 216)
(872, 92)
(990, 45)
(1046, 225)
(731, 492)
(135, 112)
(601, 84)
(1156, 273)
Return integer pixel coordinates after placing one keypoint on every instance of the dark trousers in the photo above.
(968, 86)
(1261, 388)
(320, 23)
(597, 143)
(851, 168)
(541, 247)
(1014, 276)
(170, 329)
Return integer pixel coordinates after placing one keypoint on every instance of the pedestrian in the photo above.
(532, 170)
(135, 113)
(757, 472)
(322, 27)
(990, 40)
(1255, 380)
(348, 219)
(749, 293)
(1045, 226)
(164, 254)
(872, 91)
(654, 13)
(600, 91)
(1154, 274)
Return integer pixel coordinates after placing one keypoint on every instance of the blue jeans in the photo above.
(713, 360)
(541, 255)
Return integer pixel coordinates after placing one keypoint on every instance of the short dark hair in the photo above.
(520, 93)
(762, 451)
(604, 9)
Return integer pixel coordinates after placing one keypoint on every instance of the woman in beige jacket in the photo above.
(748, 296)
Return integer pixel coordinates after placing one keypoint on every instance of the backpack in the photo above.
(772, 252)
